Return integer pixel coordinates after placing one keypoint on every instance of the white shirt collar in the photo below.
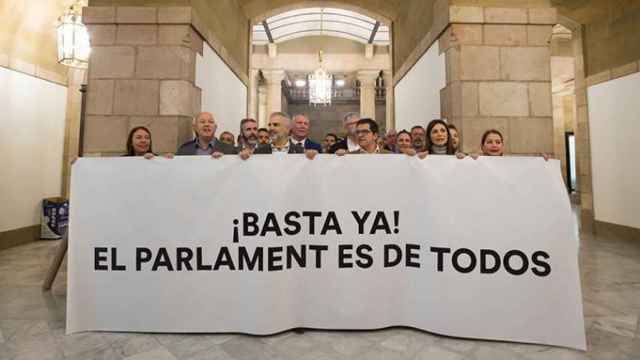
(351, 146)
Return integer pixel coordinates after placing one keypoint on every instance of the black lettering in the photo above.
(440, 258)
(114, 261)
(344, 255)
(380, 223)
(200, 266)
(274, 258)
(546, 268)
(312, 215)
(143, 255)
(183, 257)
(387, 255)
(271, 224)
(289, 220)
(301, 257)
(331, 223)
(412, 253)
(250, 224)
(98, 259)
(456, 260)
(484, 268)
(364, 257)
(523, 259)
(251, 262)
(162, 259)
(224, 259)
(318, 249)
(360, 220)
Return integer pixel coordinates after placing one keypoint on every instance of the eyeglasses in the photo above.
(363, 132)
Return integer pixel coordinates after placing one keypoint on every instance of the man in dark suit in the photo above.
(300, 133)
(205, 143)
(279, 127)
(350, 142)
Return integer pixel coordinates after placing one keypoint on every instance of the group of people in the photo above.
(286, 135)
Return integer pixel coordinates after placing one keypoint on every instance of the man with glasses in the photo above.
(279, 126)
(367, 134)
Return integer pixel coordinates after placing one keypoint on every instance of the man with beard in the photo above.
(350, 142)
(279, 127)
(418, 138)
(205, 143)
(248, 134)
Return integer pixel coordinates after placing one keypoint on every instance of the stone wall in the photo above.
(142, 72)
(614, 40)
(498, 76)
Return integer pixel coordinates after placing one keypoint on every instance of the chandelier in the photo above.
(320, 86)
(73, 38)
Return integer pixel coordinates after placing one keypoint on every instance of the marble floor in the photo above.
(32, 323)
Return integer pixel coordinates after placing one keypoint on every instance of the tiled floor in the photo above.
(32, 322)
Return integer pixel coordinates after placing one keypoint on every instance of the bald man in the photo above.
(205, 143)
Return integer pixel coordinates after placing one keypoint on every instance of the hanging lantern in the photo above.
(320, 86)
(73, 39)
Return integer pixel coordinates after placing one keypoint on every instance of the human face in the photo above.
(455, 139)
(205, 126)
(493, 145)
(300, 128)
(439, 135)
(141, 141)
(403, 141)
(250, 132)
(278, 129)
(390, 139)
(329, 141)
(366, 138)
(418, 138)
(263, 137)
(350, 125)
(227, 138)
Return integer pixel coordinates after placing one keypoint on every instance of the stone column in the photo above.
(498, 76)
(141, 72)
(273, 90)
(76, 78)
(390, 104)
(583, 139)
(367, 80)
(252, 103)
(262, 106)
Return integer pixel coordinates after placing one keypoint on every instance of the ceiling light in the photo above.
(340, 83)
(301, 83)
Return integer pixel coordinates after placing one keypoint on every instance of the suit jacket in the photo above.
(266, 149)
(311, 145)
(190, 147)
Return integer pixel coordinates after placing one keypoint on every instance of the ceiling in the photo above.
(318, 21)
(582, 11)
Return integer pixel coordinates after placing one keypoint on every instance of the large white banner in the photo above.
(478, 249)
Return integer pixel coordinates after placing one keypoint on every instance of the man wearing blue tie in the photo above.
(300, 133)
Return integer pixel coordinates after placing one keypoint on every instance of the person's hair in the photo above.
(227, 133)
(489, 132)
(334, 136)
(281, 114)
(348, 116)
(403, 132)
(130, 150)
(373, 126)
(417, 127)
(244, 121)
(428, 142)
(300, 114)
(452, 127)
(263, 129)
